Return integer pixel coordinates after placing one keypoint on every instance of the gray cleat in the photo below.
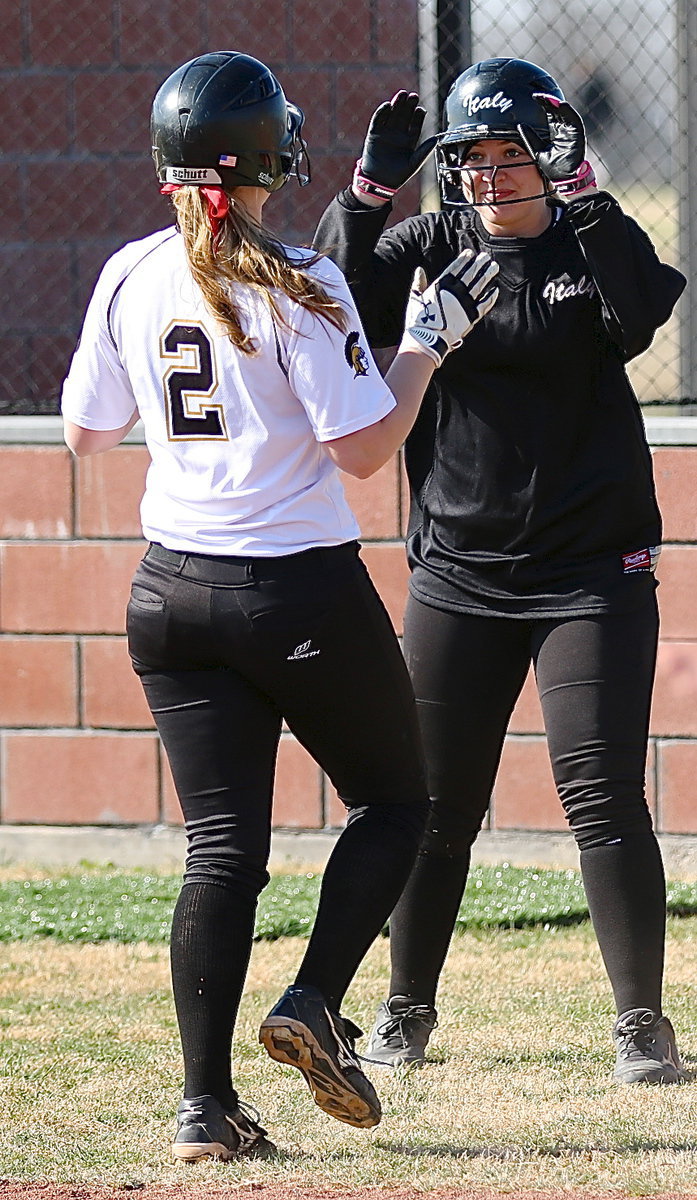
(400, 1033)
(646, 1049)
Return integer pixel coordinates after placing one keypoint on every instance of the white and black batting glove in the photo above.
(440, 316)
(392, 152)
(564, 161)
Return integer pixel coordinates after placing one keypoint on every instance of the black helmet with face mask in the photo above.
(222, 119)
(493, 99)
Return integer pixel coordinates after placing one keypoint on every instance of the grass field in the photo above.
(517, 1095)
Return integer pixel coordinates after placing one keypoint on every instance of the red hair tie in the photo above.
(216, 198)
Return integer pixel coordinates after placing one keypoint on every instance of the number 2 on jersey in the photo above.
(190, 383)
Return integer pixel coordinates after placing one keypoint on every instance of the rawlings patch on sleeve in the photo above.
(641, 560)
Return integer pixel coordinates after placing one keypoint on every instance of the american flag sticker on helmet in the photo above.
(227, 160)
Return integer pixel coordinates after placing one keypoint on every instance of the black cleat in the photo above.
(646, 1049)
(301, 1032)
(206, 1130)
(400, 1033)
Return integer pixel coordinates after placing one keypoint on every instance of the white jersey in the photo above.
(238, 465)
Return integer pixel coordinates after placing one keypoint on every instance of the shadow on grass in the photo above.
(526, 1153)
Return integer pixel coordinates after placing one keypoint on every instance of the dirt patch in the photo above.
(10, 1190)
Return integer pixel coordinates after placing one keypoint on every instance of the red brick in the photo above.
(650, 783)
(296, 213)
(80, 778)
(121, 125)
(51, 222)
(677, 770)
(260, 30)
(91, 257)
(50, 356)
(527, 714)
(675, 471)
(524, 794)
(39, 677)
(70, 35)
(11, 51)
(297, 795)
(157, 33)
(13, 207)
(70, 588)
(312, 91)
(358, 94)
(146, 209)
(35, 492)
(171, 809)
(677, 572)
(109, 488)
(331, 31)
(674, 709)
(375, 501)
(335, 813)
(39, 108)
(112, 694)
(32, 290)
(396, 35)
(387, 566)
(14, 353)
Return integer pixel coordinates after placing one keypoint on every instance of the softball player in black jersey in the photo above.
(534, 528)
(246, 360)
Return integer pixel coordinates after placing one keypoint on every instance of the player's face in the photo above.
(501, 176)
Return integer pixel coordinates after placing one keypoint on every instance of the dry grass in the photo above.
(517, 1098)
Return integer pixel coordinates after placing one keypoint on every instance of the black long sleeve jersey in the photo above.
(531, 480)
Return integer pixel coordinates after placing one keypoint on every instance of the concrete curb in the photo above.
(163, 848)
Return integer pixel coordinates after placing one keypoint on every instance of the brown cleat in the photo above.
(301, 1032)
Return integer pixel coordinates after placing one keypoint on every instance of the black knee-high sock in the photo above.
(211, 942)
(362, 881)
(422, 924)
(625, 887)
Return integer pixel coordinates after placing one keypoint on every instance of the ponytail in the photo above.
(242, 251)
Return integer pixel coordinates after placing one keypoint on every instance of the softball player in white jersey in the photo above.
(246, 360)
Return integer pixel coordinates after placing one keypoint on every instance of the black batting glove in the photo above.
(563, 162)
(567, 150)
(392, 152)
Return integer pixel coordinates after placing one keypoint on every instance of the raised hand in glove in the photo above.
(441, 315)
(392, 152)
(564, 161)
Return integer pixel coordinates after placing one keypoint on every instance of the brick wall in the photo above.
(77, 744)
(76, 85)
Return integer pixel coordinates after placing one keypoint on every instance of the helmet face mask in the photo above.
(493, 99)
(222, 119)
(296, 161)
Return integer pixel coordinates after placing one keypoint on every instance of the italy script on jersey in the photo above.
(529, 470)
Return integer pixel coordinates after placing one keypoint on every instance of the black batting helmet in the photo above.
(222, 119)
(492, 99)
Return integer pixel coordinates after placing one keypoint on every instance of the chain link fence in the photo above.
(77, 79)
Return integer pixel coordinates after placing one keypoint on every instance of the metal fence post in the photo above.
(444, 50)
(686, 154)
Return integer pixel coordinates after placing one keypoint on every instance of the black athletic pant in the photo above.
(226, 649)
(595, 678)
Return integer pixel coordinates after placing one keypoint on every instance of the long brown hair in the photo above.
(244, 252)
